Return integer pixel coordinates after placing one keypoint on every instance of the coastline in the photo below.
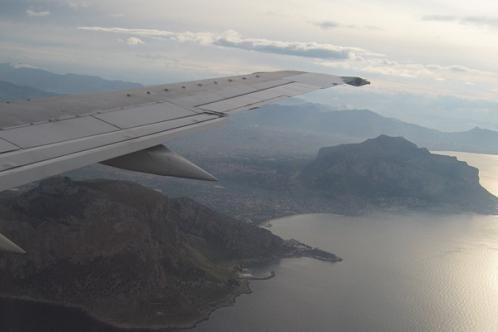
(87, 314)
(244, 271)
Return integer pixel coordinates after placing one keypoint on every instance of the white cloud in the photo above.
(296, 48)
(233, 39)
(340, 58)
(134, 41)
(76, 5)
(488, 21)
(34, 13)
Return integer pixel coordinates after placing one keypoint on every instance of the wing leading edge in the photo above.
(125, 129)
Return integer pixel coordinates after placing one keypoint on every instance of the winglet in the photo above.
(354, 81)
(8, 245)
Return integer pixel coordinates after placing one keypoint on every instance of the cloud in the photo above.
(34, 13)
(479, 20)
(134, 41)
(76, 5)
(233, 39)
(23, 65)
(439, 18)
(327, 25)
(489, 21)
(302, 49)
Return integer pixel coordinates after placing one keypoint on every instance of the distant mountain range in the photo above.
(290, 128)
(128, 254)
(303, 128)
(57, 83)
(10, 91)
(358, 125)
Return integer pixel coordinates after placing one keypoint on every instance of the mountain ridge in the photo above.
(299, 128)
(59, 83)
(10, 91)
(129, 255)
(393, 171)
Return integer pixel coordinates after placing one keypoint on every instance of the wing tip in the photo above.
(355, 81)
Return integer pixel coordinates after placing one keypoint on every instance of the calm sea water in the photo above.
(412, 272)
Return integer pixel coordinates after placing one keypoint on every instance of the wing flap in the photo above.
(224, 89)
(6, 146)
(38, 154)
(53, 132)
(144, 115)
(250, 100)
(35, 164)
(321, 81)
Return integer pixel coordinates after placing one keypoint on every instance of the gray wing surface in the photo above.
(49, 136)
(45, 137)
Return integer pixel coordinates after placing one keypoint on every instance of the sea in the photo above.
(400, 272)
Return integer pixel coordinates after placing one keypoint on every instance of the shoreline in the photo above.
(291, 249)
(228, 301)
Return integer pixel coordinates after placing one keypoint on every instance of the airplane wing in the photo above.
(44, 137)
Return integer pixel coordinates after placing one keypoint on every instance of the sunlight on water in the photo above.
(410, 272)
(413, 272)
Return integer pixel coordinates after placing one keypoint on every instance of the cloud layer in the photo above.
(488, 21)
(327, 24)
(34, 13)
(233, 39)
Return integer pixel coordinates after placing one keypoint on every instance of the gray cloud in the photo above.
(327, 25)
(439, 18)
(489, 21)
(302, 49)
(35, 13)
(479, 20)
(233, 39)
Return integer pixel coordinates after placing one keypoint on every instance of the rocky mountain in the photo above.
(391, 171)
(59, 83)
(127, 254)
(386, 173)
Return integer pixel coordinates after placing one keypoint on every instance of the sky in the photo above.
(426, 47)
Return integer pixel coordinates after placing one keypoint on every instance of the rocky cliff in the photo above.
(392, 171)
(127, 254)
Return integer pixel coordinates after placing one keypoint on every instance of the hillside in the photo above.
(129, 255)
(390, 171)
